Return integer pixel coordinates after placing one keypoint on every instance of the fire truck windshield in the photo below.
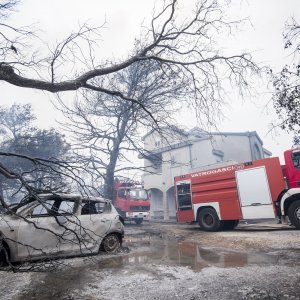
(296, 159)
(138, 194)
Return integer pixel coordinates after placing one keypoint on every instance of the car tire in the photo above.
(294, 213)
(209, 220)
(111, 243)
(3, 256)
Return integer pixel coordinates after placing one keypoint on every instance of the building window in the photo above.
(157, 162)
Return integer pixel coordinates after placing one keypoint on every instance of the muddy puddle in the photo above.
(190, 254)
(144, 253)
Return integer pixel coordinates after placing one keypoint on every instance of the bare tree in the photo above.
(286, 97)
(185, 46)
(111, 128)
(15, 121)
(20, 136)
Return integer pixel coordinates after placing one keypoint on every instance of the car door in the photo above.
(46, 231)
(95, 221)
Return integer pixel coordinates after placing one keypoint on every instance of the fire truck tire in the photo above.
(138, 221)
(230, 224)
(294, 213)
(209, 220)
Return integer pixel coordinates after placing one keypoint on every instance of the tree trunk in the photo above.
(114, 155)
(110, 175)
(109, 185)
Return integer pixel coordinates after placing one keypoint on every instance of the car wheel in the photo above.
(111, 243)
(3, 256)
(209, 220)
(294, 213)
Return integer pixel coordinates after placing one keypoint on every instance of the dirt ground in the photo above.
(175, 261)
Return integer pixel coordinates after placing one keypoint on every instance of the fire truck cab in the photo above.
(218, 198)
(131, 200)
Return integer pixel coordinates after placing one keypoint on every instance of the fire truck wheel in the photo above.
(230, 224)
(209, 220)
(138, 221)
(111, 243)
(294, 213)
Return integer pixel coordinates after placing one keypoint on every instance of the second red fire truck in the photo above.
(131, 200)
(218, 198)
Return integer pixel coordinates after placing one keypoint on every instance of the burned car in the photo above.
(56, 225)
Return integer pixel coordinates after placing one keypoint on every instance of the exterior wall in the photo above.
(151, 167)
(256, 148)
(175, 162)
(171, 203)
(202, 152)
(152, 181)
(156, 208)
(267, 153)
(156, 141)
(237, 147)
(149, 142)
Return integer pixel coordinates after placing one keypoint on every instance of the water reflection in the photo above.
(187, 254)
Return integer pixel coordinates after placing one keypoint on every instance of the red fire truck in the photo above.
(218, 198)
(131, 200)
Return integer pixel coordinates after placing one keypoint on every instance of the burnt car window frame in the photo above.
(106, 207)
(43, 205)
(58, 200)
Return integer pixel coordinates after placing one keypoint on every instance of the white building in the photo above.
(178, 152)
